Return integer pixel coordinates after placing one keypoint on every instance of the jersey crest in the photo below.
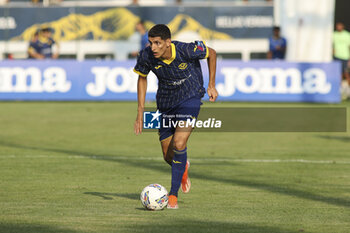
(182, 66)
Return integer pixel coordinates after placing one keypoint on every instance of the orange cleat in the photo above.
(172, 202)
(185, 182)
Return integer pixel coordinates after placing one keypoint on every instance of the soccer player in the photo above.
(41, 46)
(180, 89)
(141, 28)
(277, 45)
(341, 53)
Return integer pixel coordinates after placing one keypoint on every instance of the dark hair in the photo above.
(160, 30)
(276, 28)
(46, 29)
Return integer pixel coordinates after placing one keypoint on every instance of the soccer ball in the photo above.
(154, 197)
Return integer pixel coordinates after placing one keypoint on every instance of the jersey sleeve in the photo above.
(197, 50)
(32, 47)
(271, 46)
(142, 68)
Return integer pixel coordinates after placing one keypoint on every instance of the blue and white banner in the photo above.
(112, 80)
(279, 81)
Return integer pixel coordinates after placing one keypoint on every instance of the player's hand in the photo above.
(212, 93)
(138, 124)
(138, 127)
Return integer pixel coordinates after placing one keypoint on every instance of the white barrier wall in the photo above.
(121, 49)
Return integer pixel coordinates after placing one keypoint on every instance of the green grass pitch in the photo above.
(78, 167)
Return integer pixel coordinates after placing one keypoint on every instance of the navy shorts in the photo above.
(189, 109)
(344, 64)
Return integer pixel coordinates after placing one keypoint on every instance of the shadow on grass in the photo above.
(165, 169)
(338, 138)
(109, 196)
(191, 225)
(164, 226)
(31, 228)
(257, 185)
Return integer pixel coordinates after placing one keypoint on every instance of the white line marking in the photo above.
(192, 159)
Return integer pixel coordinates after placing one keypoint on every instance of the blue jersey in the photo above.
(42, 46)
(179, 78)
(274, 43)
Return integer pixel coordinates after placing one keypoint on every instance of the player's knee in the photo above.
(179, 144)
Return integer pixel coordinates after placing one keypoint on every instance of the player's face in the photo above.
(46, 34)
(159, 47)
(339, 27)
(276, 33)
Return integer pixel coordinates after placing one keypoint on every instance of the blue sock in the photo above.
(177, 170)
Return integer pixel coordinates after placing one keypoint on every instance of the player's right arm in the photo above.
(141, 95)
(269, 53)
(142, 68)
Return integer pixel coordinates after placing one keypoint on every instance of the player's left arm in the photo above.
(212, 92)
(284, 46)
